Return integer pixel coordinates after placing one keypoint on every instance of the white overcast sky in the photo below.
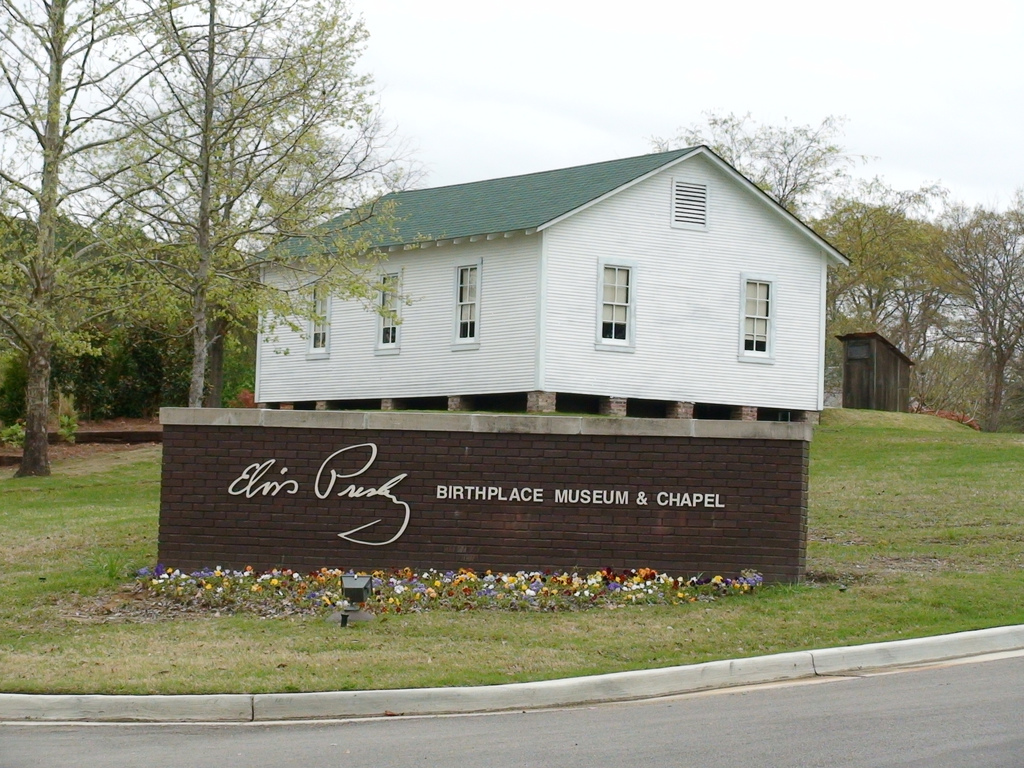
(481, 89)
(934, 90)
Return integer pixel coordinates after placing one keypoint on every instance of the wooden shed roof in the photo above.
(879, 337)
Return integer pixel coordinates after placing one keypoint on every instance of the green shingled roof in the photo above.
(508, 204)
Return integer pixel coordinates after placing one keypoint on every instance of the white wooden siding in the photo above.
(687, 294)
(427, 365)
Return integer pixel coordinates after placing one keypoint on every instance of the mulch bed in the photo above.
(94, 437)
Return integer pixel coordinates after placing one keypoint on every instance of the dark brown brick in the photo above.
(763, 484)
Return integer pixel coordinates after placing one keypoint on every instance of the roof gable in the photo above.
(511, 203)
(531, 201)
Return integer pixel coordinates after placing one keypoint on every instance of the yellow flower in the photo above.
(274, 582)
(717, 580)
(209, 586)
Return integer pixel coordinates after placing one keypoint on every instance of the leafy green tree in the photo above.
(134, 371)
(64, 70)
(13, 382)
(262, 128)
(894, 248)
(951, 378)
(983, 271)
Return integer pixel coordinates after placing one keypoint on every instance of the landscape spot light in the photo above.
(357, 590)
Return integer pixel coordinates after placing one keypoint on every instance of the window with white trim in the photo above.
(615, 306)
(319, 325)
(387, 325)
(757, 317)
(467, 304)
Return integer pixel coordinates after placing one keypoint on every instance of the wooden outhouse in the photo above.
(876, 375)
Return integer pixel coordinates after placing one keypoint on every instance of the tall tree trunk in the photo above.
(997, 386)
(204, 247)
(35, 460)
(200, 347)
(215, 364)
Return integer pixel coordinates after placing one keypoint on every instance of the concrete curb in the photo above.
(153, 709)
(619, 686)
(838, 661)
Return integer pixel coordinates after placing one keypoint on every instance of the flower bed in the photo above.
(284, 592)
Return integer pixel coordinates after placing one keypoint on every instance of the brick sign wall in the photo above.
(379, 490)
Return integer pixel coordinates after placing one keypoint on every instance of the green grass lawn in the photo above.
(916, 528)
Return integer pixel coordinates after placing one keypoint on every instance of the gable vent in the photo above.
(689, 204)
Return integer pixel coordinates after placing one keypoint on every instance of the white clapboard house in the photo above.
(665, 285)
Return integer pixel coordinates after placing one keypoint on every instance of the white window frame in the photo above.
(672, 206)
(754, 355)
(389, 326)
(460, 342)
(627, 344)
(319, 344)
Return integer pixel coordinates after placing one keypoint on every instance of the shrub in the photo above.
(67, 427)
(13, 382)
(13, 435)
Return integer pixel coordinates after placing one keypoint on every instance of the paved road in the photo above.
(966, 714)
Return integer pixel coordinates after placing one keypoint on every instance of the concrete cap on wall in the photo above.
(487, 423)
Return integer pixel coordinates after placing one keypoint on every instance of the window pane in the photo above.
(467, 284)
(466, 309)
(615, 303)
(757, 316)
